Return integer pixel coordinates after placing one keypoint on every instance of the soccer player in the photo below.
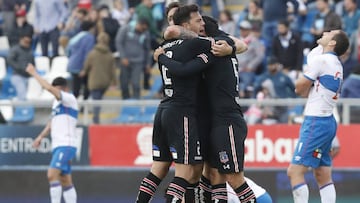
(321, 84)
(175, 135)
(62, 129)
(229, 129)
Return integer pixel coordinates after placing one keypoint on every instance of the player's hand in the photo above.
(221, 48)
(157, 53)
(36, 142)
(31, 69)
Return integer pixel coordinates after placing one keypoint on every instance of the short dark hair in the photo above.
(59, 81)
(171, 6)
(83, 11)
(182, 14)
(284, 22)
(211, 26)
(342, 43)
(143, 21)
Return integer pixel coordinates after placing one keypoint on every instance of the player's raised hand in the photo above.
(31, 69)
(157, 53)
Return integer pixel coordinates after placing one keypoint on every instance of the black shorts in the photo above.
(227, 139)
(175, 136)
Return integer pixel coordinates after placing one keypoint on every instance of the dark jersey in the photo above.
(181, 89)
(221, 77)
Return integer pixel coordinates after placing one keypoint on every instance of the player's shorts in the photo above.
(313, 147)
(175, 136)
(61, 159)
(227, 143)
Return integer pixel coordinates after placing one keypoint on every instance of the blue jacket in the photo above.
(79, 47)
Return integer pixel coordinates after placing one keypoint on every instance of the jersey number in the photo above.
(235, 66)
(164, 69)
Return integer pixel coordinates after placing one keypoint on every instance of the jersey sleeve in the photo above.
(67, 99)
(199, 63)
(314, 68)
(199, 45)
(226, 38)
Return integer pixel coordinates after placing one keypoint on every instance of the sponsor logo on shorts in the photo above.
(156, 153)
(223, 157)
(58, 164)
(198, 158)
(297, 158)
(173, 152)
(317, 153)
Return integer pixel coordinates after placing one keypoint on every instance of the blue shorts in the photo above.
(61, 159)
(316, 135)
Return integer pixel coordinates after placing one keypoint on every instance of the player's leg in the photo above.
(299, 187)
(325, 183)
(218, 185)
(205, 187)
(69, 191)
(182, 133)
(230, 150)
(53, 175)
(161, 162)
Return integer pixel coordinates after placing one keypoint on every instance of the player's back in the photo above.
(222, 82)
(179, 90)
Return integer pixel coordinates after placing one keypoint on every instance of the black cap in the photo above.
(59, 81)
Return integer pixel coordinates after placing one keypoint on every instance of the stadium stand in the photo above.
(23, 114)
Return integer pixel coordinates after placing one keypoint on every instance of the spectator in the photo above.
(49, 21)
(351, 89)
(351, 17)
(226, 22)
(120, 13)
(79, 47)
(22, 27)
(351, 86)
(9, 8)
(144, 11)
(284, 87)
(253, 14)
(19, 57)
(287, 48)
(100, 70)
(133, 45)
(216, 6)
(274, 11)
(250, 61)
(108, 25)
(325, 20)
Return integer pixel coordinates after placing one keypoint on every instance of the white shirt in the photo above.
(233, 198)
(63, 122)
(326, 71)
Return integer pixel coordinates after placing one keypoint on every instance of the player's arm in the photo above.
(303, 86)
(45, 132)
(32, 71)
(178, 32)
(183, 69)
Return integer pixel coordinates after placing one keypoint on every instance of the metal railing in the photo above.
(345, 105)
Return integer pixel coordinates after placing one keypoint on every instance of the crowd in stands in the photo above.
(98, 37)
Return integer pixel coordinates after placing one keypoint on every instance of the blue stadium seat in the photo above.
(23, 114)
(148, 115)
(128, 114)
(7, 89)
(155, 87)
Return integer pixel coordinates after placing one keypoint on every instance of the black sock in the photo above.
(219, 193)
(245, 194)
(176, 190)
(204, 190)
(147, 188)
(191, 193)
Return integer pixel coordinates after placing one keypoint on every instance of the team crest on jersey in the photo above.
(223, 157)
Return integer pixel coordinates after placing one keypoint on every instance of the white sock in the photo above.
(301, 193)
(70, 194)
(55, 192)
(328, 193)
